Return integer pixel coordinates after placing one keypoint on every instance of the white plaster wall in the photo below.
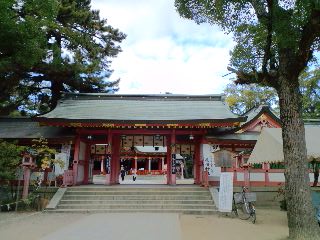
(82, 151)
(257, 177)
(208, 161)
(276, 177)
(240, 176)
(80, 173)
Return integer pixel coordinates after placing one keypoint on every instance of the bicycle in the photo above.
(243, 206)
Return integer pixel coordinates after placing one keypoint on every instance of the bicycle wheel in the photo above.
(243, 211)
(252, 213)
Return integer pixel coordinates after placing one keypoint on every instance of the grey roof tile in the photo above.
(141, 107)
(17, 128)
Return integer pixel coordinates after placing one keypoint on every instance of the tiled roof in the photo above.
(162, 107)
(18, 128)
(257, 111)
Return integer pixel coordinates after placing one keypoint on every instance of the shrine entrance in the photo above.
(150, 158)
(143, 160)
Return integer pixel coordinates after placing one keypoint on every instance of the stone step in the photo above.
(131, 201)
(190, 199)
(141, 189)
(90, 192)
(136, 197)
(134, 206)
(182, 211)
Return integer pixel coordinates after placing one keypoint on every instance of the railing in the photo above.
(257, 177)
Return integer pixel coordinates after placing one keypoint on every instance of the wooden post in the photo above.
(76, 159)
(169, 160)
(115, 159)
(86, 164)
(109, 152)
(26, 179)
(197, 163)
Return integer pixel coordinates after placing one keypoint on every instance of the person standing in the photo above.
(134, 174)
(122, 173)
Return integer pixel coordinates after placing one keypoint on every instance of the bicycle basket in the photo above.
(250, 196)
(238, 198)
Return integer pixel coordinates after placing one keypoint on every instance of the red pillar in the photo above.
(197, 163)
(205, 181)
(76, 159)
(26, 179)
(109, 152)
(86, 164)
(115, 160)
(169, 160)
(173, 151)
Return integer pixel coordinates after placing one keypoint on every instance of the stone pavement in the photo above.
(143, 179)
(140, 226)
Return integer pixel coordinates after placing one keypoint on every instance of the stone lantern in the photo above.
(28, 162)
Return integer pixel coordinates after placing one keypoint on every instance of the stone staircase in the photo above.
(119, 199)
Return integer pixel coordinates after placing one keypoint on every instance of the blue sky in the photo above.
(163, 52)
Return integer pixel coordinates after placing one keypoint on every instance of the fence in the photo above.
(257, 177)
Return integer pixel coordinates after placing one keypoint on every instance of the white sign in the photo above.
(225, 192)
(66, 148)
(208, 161)
(62, 157)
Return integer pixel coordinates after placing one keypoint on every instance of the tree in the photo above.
(10, 158)
(44, 155)
(275, 41)
(241, 98)
(23, 43)
(310, 89)
(81, 45)
(75, 54)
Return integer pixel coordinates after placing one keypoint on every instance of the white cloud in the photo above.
(163, 52)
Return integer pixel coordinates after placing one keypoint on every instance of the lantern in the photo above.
(28, 160)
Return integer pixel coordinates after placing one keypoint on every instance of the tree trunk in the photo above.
(301, 214)
(56, 88)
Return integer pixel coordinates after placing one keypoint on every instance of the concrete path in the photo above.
(121, 226)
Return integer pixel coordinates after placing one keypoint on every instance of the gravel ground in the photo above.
(271, 225)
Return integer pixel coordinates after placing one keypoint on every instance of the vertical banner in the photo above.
(107, 162)
(66, 149)
(208, 161)
(58, 170)
(174, 163)
(225, 192)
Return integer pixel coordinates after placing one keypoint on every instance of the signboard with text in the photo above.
(226, 192)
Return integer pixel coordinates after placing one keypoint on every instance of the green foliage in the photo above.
(263, 31)
(23, 43)
(61, 45)
(10, 158)
(80, 48)
(310, 89)
(44, 155)
(241, 98)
